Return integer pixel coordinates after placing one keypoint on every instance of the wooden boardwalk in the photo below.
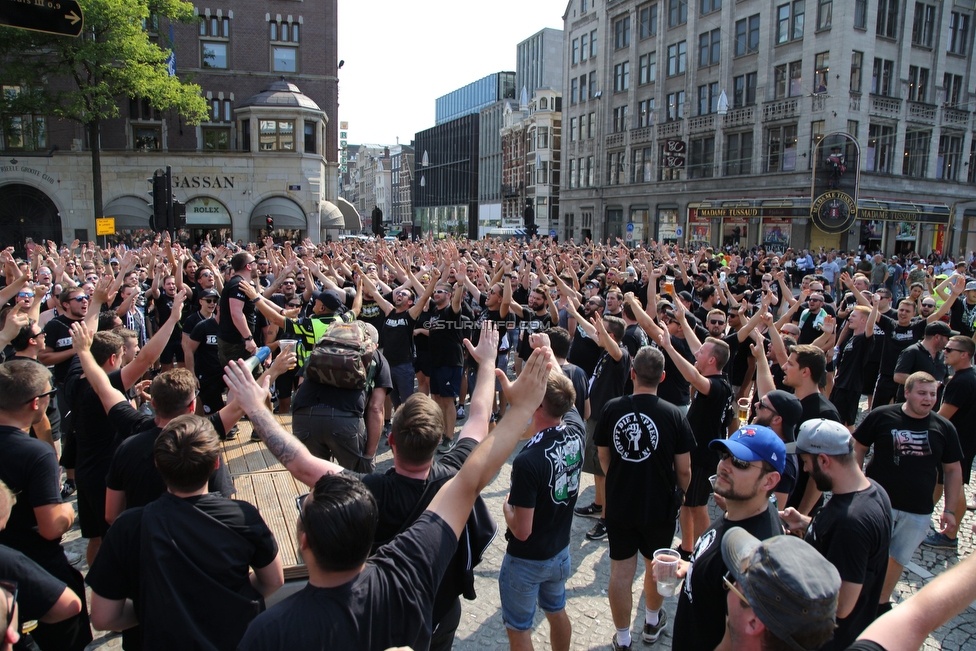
(261, 480)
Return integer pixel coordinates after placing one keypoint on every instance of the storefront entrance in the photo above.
(26, 212)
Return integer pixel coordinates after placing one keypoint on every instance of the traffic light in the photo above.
(159, 221)
(377, 215)
(530, 226)
(269, 220)
(179, 215)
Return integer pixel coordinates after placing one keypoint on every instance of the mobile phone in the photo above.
(722, 277)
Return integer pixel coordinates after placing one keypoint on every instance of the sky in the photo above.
(400, 55)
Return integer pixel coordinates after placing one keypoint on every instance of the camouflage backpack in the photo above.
(345, 357)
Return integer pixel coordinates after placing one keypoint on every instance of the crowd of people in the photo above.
(679, 379)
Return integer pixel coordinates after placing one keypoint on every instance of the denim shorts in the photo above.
(521, 583)
(908, 530)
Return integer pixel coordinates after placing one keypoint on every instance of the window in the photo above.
(284, 32)
(820, 70)
(887, 22)
(645, 159)
(590, 171)
(647, 21)
(214, 55)
(747, 35)
(637, 166)
(918, 81)
(220, 110)
(781, 149)
(817, 129)
(676, 106)
(708, 6)
(583, 46)
(216, 138)
(648, 68)
(583, 88)
(593, 44)
(542, 173)
(881, 147)
(645, 113)
(677, 12)
(574, 91)
(789, 21)
(953, 89)
(916, 159)
(621, 77)
(738, 154)
(824, 10)
(215, 27)
(708, 98)
(572, 129)
(575, 51)
(709, 48)
(147, 137)
(701, 165)
(23, 131)
(676, 58)
(621, 33)
(590, 125)
(853, 127)
(592, 85)
(744, 90)
(861, 14)
(950, 155)
(276, 135)
(542, 138)
(139, 108)
(923, 26)
(620, 119)
(572, 173)
(285, 59)
(667, 169)
(857, 63)
(958, 41)
(615, 167)
(788, 79)
(881, 77)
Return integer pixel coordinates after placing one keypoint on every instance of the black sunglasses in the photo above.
(725, 455)
(209, 300)
(300, 505)
(37, 397)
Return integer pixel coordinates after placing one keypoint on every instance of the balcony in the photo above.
(954, 116)
(643, 134)
(669, 129)
(511, 190)
(781, 109)
(740, 116)
(615, 140)
(818, 102)
(889, 107)
(701, 123)
(918, 112)
(855, 103)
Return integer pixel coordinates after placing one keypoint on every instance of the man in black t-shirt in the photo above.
(533, 318)
(925, 356)
(852, 531)
(447, 327)
(203, 359)
(854, 351)
(644, 445)
(899, 334)
(235, 339)
(180, 566)
(163, 303)
(539, 515)
(752, 461)
(910, 442)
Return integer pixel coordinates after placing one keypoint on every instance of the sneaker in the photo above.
(74, 558)
(232, 434)
(616, 646)
(652, 633)
(941, 541)
(460, 412)
(68, 489)
(685, 555)
(445, 446)
(598, 532)
(255, 437)
(591, 511)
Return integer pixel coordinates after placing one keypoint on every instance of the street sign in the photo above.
(678, 232)
(105, 226)
(630, 236)
(62, 17)
(552, 233)
(630, 227)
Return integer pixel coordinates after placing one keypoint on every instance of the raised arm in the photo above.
(605, 341)
(958, 285)
(476, 427)
(644, 320)
(686, 369)
(81, 341)
(370, 286)
(134, 370)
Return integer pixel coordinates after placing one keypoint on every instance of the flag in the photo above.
(171, 60)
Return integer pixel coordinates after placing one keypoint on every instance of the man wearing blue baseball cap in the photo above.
(750, 465)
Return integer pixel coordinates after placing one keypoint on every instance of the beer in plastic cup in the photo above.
(286, 346)
(666, 571)
(743, 410)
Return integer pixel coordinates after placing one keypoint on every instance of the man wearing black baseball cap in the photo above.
(926, 355)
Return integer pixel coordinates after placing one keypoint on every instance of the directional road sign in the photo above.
(630, 227)
(61, 17)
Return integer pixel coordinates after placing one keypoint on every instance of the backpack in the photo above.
(344, 358)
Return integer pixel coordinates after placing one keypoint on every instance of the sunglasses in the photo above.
(25, 294)
(952, 350)
(207, 273)
(288, 282)
(80, 299)
(294, 305)
(736, 462)
(728, 581)
(37, 397)
(714, 322)
(300, 505)
(209, 300)
(763, 405)
(441, 291)
(928, 304)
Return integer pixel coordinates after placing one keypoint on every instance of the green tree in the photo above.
(85, 79)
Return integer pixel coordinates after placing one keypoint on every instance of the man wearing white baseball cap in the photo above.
(852, 531)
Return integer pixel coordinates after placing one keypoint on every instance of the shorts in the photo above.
(884, 391)
(522, 583)
(967, 471)
(699, 489)
(591, 458)
(172, 349)
(91, 510)
(869, 377)
(422, 362)
(285, 384)
(908, 530)
(211, 395)
(846, 402)
(626, 540)
(403, 379)
(445, 381)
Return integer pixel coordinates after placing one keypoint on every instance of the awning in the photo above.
(286, 214)
(353, 222)
(331, 215)
(130, 213)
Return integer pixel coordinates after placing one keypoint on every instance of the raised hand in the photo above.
(529, 388)
(81, 337)
(487, 348)
(249, 394)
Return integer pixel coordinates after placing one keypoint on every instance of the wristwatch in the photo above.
(251, 338)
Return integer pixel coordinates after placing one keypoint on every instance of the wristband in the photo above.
(948, 511)
(251, 338)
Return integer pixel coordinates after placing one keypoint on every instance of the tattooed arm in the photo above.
(287, 449)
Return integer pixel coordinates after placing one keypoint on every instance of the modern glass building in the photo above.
(470, 99)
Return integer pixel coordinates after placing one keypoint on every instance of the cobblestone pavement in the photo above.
(589, 611)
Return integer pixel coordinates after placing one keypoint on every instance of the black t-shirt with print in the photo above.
(907, 453)
(95, 437)
(396, 337)
(387, 605)
(608, 380)
(675, 388)
(640, 462)
(960, 392)
(853, 532)
(206, 359)
(546, 477)
(57, 337)
(162, 308)
(228, 331)
(709, 417)
(447, 331)
(699, 622)
(896, 339)
(530, 324)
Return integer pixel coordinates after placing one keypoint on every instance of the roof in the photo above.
(281, 93)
